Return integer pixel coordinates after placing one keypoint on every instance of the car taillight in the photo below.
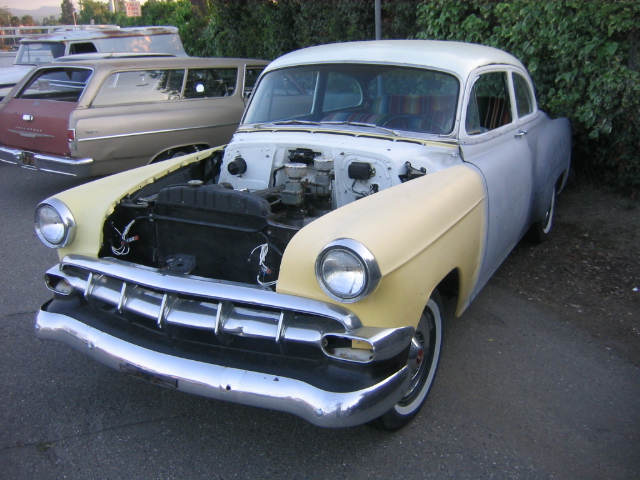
(71, 135)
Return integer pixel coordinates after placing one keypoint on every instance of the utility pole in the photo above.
(378, 20)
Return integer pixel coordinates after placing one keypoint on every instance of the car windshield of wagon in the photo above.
(63, 84)
(399, 98)
(38, 53)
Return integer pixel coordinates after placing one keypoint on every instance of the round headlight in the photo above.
(347, 271)
(55, 225)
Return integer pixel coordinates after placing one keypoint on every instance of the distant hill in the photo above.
(37, 14)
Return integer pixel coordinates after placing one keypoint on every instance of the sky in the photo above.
(35, 4)
(30, 4)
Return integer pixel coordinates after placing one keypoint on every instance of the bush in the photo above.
(268, 29)
(582, 55)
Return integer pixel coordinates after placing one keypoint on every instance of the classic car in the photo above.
(95, 116)
(38, 49)
(303, 266)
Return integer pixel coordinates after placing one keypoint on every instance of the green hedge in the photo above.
(583, 57)
(268, 29)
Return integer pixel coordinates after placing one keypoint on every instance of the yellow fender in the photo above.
(418, 231)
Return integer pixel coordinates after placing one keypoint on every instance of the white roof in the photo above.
(90, 33)
(457, 57)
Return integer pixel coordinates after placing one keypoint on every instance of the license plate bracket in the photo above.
(28, 159)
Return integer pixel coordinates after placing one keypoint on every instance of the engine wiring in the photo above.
(372, 189)
(264, 269)
(123, 249)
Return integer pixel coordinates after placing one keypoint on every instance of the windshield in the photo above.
(38, 53)
(400, 98)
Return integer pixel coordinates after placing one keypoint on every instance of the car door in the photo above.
(492, 143)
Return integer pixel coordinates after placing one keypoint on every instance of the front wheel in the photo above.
(424, 356)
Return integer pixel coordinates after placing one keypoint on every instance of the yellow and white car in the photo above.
(301, 267)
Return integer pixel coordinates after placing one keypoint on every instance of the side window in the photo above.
(342, 91)
(524, 95)
(59, 84)
(489, 104)
(250, 78)
(85, 47)
(210, 82)
(143, 86)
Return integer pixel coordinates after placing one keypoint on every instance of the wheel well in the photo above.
(171, 152)
(449, 286)
(562, 181)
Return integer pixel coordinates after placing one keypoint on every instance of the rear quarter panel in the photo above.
(550, 143)
(418, 231)
(46, 133)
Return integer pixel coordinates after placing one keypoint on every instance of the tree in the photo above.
(5, 17)
(68, 16)
(27, 21)
(94, 10)
(201, 7)
(52, 20)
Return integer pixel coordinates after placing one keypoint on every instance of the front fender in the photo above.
(418, 231)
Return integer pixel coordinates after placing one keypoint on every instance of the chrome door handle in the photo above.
(521, 133)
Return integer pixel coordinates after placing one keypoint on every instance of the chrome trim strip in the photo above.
(26, 134)
(153, 132)
(253, 388)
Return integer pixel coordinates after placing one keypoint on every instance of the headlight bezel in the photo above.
(66, 219)
(366, 259)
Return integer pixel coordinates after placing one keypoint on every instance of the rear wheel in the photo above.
(539, 231)
(424, 356)
(174, 153)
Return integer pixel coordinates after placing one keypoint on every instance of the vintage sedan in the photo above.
(92, 115)
(303, 266)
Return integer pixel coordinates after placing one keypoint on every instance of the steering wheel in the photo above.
(402, 122)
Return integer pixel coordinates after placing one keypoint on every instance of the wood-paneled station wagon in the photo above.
(302, 267)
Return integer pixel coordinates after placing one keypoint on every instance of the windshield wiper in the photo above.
(287, 122)
(395, 133)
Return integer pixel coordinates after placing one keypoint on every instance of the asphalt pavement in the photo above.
(521, 394)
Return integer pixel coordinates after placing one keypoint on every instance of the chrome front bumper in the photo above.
(228, 312)
(254, 388)
(79, 167)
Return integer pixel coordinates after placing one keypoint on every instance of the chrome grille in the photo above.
(176, 305)
(224, 309)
